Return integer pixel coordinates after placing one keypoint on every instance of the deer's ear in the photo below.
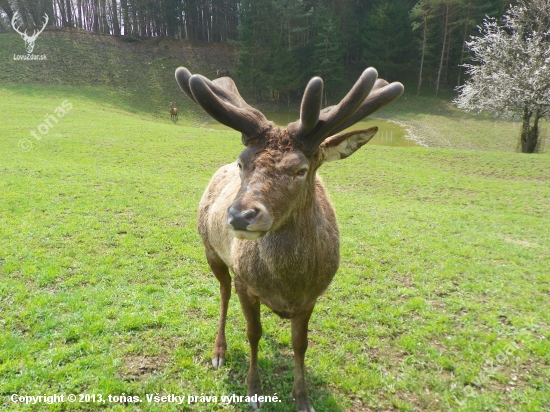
(343, 145)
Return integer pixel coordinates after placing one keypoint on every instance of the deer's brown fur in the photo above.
(173, 111)
(267, 217)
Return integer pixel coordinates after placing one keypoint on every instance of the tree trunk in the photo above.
(79, 10)
(69, 14)
(530, 135)
(23, 13)
(442, 49)
(141, 21)
(104, 23)
(449, 43)
(125, 17)
(463, 44)
(88, 17)
(83, 15)
(5, 5)
(116, 26)
(135, 27)
(61, 4)
(95, 24)
(50, 7)
(425, 32)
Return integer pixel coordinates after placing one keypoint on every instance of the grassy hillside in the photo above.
(138, 75)
(441, 301)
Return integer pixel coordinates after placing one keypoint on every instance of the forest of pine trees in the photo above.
(284, 42)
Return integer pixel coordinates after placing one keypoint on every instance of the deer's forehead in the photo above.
(266, 158)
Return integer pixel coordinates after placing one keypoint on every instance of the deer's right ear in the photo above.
(343, 145)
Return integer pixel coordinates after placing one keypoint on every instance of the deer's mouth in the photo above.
(247, 234)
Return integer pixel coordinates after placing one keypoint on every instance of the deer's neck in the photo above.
(309, 236)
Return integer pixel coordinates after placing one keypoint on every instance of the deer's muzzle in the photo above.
(241, 220)
(248, 221)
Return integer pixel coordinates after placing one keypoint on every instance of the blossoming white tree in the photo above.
(512, 78)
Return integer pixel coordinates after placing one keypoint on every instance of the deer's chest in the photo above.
(287, 277)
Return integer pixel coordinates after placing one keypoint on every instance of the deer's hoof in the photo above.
(254, 392)
(303, 404)
(218, 361)
(255, 405)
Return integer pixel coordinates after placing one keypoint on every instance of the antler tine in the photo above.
(310, 108)
(332, 117)
(221, 100)
(382, 93)
(247, 120)
(378, 84)
(182, 77)
(226, 90)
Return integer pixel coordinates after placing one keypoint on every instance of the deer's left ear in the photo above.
(343, 145)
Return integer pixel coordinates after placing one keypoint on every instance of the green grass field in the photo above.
(437, 123)
(441, 301)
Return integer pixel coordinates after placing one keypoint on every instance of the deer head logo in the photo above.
(29, 40)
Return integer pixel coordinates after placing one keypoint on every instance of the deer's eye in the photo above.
(240, 165)
(301, 172)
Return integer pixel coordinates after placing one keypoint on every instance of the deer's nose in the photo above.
(240, 220)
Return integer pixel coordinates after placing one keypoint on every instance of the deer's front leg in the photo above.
(251, 309)
(221, 272)
(299, 345)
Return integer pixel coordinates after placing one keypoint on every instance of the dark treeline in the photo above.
(284, 42)
(208, 20)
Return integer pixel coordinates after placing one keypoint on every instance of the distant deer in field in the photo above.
(222, 73)
(267, 217)
(173, 111)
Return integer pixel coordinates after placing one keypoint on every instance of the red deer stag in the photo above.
(267, 217)
(173, 112)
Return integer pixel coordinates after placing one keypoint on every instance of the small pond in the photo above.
(389, 134)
